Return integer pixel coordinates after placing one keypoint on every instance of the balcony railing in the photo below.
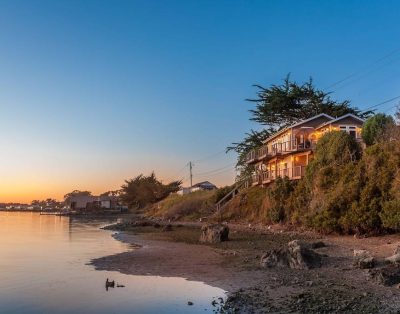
(255, 178)
(292, 146)
(296, 172)
(262, 152)
(278, 148)
(257, 154)
(251, 156)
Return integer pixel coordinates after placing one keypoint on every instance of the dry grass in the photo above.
(189, 207)
(250, 205)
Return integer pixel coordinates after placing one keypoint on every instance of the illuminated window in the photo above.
(352, 130)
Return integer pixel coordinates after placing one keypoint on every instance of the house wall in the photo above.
(335, 126)
(291, 166)
(312, 124)
(295, 159)
(105, 204)
(80, 202)
(282, 138)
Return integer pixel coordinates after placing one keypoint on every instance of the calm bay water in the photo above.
(43, 270)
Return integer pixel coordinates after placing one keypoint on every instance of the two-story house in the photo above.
(288, 152)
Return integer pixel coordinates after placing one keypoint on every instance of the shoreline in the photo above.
(234, 266)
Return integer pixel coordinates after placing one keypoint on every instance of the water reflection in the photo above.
(43, 270)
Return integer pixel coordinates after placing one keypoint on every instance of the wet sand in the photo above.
(337, 286)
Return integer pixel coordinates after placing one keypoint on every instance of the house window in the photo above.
(352, 130)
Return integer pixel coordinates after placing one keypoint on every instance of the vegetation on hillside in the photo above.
(251, 205)
(191, 206)
(344, 190)
(375, 127)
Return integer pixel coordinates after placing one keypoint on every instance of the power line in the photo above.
(382, 103)
(215, 170)
(210, 156)
(366, 74)
(217, 173)
(363, 69)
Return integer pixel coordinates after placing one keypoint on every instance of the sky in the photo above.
(96, 92)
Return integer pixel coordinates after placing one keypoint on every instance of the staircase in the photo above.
(245, 183)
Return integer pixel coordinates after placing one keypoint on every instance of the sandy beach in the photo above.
(234, 266)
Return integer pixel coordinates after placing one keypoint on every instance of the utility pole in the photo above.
(191, 173)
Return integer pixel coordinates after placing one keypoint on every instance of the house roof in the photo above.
(348, 115)
(203, 183)
(298, 124)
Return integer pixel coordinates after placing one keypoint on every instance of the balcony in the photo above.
(255, 179)
(262, 152)
(278, 149)
(291, 146)
(257, 154)
(265, 177)
(268, 176)
(251, 156)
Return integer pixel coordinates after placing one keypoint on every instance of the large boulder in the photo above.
(296, 255)
(363, 259)
(387, 276)
(214, 233)
(275, 258)
(301, 256)
(394, 259)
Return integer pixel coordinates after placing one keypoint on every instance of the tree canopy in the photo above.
(280, 106)
(68, 196)
(375, 127)
(144, 190)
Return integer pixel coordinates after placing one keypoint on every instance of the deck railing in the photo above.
(295, 172)
(255, 178)
(278, 148)
(262, 152)
(257, 154)
(292, 146)
(244, 183)
(251, 156)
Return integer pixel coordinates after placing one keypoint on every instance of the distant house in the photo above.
(88, 202)
(201, 186)
(80, 202)
(108, 202)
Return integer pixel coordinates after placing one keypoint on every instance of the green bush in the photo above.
(391, 214)
(335, 148)
(278, 195)
(375, 126)
(331, 184)
(220, 193)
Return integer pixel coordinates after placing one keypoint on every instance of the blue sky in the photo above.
(95, 92)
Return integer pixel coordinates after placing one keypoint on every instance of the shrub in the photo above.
(278, 195)
(220, 193)
(335, 148)
(391, 214)
(190, 206)
(250, 205)
(144, 190)
(375, 126)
